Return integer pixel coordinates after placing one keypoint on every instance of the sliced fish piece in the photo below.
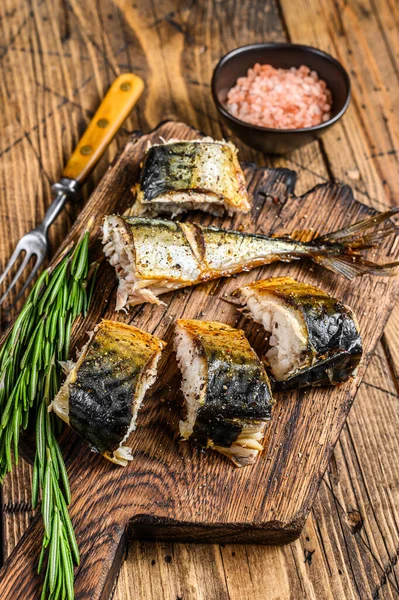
(180, 175)
(105, 388)
(226, 390)
(151, 257)
(155, 256)
(313, 338)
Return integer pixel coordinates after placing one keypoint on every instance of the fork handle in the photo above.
(113, 110)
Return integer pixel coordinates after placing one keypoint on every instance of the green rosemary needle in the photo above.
(30, 376)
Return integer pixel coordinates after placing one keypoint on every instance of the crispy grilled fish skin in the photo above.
(155, 256)
(183, 175)
(226, 388)
(327, 348)
(104, 390)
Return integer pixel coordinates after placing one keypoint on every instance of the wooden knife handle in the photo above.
(113, 110)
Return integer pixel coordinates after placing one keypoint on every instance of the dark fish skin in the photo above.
(238, 389)
(167, 168)
(329, 322)
(330, 371)
(333, 338)
(204, 167)
(101, 398)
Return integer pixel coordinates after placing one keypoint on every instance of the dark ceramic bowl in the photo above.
(277, 141)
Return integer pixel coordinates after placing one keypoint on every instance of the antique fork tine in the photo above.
(35, 243)
(113, 110)
(12, 260)
(32, 245)
(27, 257)
(33, 272)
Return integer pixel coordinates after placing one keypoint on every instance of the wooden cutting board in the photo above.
(171, 490)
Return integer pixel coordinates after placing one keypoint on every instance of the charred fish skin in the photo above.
(155, 256)
(234, 400)
(332, 370)
(331, 342)
(182, 175)
(105, 389)
(237, 387)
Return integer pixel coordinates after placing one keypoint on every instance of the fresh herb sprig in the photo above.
(30, 376)
(59, 538)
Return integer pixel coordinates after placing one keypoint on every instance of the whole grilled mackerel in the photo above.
(155, 256)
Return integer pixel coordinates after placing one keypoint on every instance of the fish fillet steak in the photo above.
(154, 256)
(105, 388)
(313, 338)
(226, 390)
(184, 175)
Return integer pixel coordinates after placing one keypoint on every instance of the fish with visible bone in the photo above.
(178, 176)
(226, 389)
(154, 256)
(312, 339)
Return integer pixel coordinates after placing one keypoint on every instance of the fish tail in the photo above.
(340, 251)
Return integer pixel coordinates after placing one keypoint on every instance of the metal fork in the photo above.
(113, 110)
(35, 243)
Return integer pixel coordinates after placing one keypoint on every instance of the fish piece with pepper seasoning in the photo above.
(105, 388)
(154, 256)
(182, 175)
(226, 389)
(313, 339)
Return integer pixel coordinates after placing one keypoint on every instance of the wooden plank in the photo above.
(325, 537)
(391, 345)
(180, 570)
(198, 504)
(16, 506)
(367, 137)
(353, 157)
(86, 70)
(333, 559)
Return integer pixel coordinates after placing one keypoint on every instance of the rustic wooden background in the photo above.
(57, 59)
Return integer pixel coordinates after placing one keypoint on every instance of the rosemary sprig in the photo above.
(59, 538)
(30, 376)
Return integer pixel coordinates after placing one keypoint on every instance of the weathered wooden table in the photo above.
(57, 59)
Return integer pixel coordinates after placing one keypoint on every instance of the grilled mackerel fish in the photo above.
(191, 175)
(314, 339)
(155, 256)
(105, 388)
(226, 389)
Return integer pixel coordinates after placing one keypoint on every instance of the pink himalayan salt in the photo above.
(280, 98)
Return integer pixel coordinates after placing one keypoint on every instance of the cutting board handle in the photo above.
(103, 547)
(113, 110)
(161, 492)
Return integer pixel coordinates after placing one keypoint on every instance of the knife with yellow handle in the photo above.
(113, 110)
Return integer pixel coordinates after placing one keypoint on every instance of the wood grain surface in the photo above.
(170, 490)
(58, 58)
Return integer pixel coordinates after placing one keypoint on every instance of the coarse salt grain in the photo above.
(280, 98)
